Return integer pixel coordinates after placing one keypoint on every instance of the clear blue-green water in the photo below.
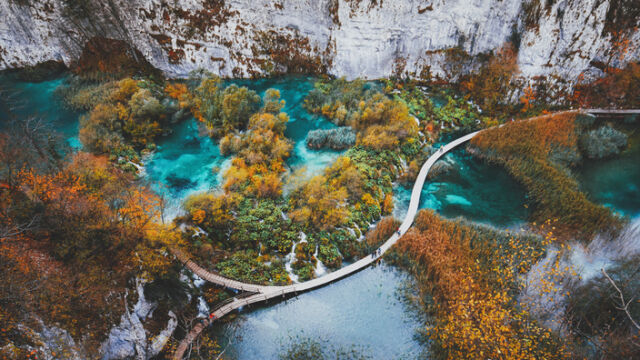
(188, 162)
(615, 182)
(185, 162)
(23, 99)
(471, 189)
(293, 90)
(365, 311)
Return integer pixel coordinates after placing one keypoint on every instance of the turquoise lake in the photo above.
(365, 309)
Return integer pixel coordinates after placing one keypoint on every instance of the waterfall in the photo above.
(203, 308)
(320, 268)
(291, 257)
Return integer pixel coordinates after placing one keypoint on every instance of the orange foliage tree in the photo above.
(320, 205)
(92, 229)
(489, 86)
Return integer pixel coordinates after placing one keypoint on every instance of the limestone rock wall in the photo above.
(352, 38)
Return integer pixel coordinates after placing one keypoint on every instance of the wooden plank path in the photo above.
(413, 205)
(218, 279)
(612, 111)
(264, 293)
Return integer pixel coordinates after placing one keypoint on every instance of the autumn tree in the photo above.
(211, 213)
(319, 205)
(91, 230)
(224, 109)
(129, 115)
(272, 102)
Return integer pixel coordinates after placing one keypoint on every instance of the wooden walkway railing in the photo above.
(218, 279)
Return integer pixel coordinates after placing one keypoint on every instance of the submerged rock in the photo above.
(603, 142)
(177, 182)
(445, 167)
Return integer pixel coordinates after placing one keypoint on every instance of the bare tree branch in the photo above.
(624, 304)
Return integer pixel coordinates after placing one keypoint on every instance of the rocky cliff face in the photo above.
(352, 38)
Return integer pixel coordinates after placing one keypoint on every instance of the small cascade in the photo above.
(352, 232)
(362, 233)
(140, 169)
(403, 164)
(416, 119)
(226, 164)
(203, 308)
(320, 268)
(198, 281)
(199, 231)
(291, 257)
(289, 260)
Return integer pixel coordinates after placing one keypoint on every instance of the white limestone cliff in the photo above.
(356, 38)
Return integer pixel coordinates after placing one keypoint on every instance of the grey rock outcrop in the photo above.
(129, 339)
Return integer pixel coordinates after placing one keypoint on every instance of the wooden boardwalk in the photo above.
(264, 293)
(612, 111)
(413, 205)
(218, 279)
